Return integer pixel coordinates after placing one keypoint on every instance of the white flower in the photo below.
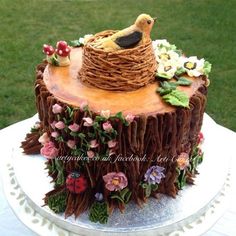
(84, 39)
(193, 66)
(163, 55)
(160, 42)
(166, 70)
(105, 113)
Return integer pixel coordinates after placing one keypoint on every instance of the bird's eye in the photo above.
(149, 22)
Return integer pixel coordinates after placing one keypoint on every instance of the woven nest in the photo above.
(122, 70)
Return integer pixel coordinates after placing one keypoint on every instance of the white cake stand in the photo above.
(193, 212)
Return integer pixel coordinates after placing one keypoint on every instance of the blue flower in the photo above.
(99, 197)
(154, 175)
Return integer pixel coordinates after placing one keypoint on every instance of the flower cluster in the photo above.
(183, 161)
(172, 62)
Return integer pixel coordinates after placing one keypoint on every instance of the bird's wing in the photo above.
(129, 40)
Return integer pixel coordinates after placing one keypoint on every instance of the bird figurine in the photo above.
(134, 35)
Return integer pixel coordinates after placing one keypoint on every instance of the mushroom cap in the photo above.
(48, 49)
(62, 45)
(63, 52)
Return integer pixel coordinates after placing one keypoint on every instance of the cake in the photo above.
(117, 124)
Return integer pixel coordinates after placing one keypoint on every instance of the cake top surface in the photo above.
(63, 83)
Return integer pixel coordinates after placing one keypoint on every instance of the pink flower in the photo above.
(111, 143)
(93, 143)
(200, 138)
(183, 160)
(83, 105)
(71, 144)
(44, 138)
(107, 126)
(49, 150)
(56, 108)
(90, 154)
(105, 113)
(74, 127)
(55, 134)
(115, 181)
(53, 124)
(60, 125)
(88, 121)
(129, 118)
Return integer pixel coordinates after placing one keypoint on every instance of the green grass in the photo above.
(204, 28)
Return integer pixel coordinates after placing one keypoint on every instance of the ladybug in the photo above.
(76, 183)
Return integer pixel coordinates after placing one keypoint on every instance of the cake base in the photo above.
(206, 198)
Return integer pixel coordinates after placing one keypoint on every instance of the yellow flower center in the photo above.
(190, 65)
(154, 173)
(115, 181)
(164, 56)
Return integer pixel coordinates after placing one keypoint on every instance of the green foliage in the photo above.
(60, 180)
(177, 98)
(123, 195)
(207, 68)
(149, 188)
(76, 43)
(99, 212)
(57, 202)
(181, 180)
(195, 160)
(183, 81)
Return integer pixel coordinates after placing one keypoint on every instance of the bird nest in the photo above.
(121, 70)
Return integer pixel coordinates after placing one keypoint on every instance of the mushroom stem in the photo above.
(63, 61)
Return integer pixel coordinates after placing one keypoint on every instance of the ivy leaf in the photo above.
(76, 43)
(180, 71)
(207, 68)
(183, 81)
(177, 98)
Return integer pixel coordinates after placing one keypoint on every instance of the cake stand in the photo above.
(192, 212)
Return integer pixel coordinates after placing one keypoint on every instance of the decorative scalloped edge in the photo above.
(43, 226)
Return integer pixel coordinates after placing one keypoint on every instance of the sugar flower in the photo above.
(83, 40)
(183, 160)
(166, 70)
(90, 154)
(88, 121)
(200, 138)
(53, 124)
(99, 197)
(44, 138)
(74, 127)
(71, 144)
(83, 105)
(93, 143)
(193, 66)
(55, 134)
(160, 43)
(112, 143)
(129, 118)
(107, 126)
(36, 126)
(60, 125)
(115, 181)
(105, 113)
(56, 108)
(49, 150)
(154, 175)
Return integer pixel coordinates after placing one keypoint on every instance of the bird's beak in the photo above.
(154, 18)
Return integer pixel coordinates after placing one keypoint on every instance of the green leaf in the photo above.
(117, 197)
(148, 191)
(180, 71)
(183, 81)
(99, 118)
(154, 187)
(99, 212)
(164, 75)
(57, 202)
(207, 68)
(76, 43)
(81, 135)
(177, 98)
(54, 61)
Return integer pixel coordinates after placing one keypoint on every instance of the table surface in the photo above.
(10, 225)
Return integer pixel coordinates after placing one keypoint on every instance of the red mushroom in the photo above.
(63, 52)
(48, 50)
(63, 49)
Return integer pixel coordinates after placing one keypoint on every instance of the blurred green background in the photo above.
(206, 28)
